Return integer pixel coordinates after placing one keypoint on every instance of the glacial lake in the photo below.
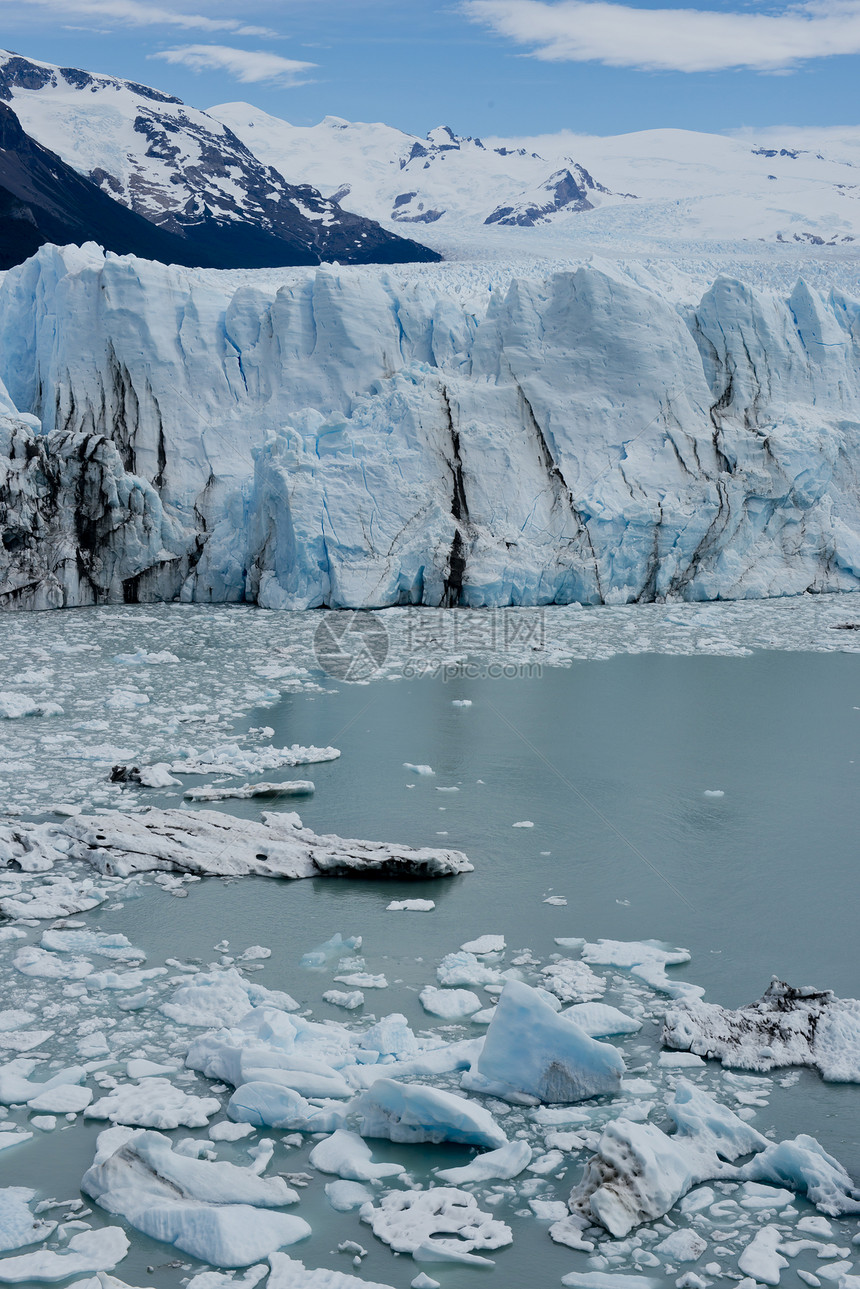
(610, 758)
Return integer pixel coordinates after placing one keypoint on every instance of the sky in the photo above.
(483, 67)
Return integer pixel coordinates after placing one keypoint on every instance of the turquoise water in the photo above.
(610, 760)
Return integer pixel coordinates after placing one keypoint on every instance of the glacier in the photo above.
(359, 438)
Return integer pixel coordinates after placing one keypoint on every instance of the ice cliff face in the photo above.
(344, 439)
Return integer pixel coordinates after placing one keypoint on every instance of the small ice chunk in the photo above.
(411, 906)
(44, 1122)
(422, 1280)
(336, 947)
(761, 1258)
(418, 769)
(345, 1196)
(684, 1245)
(362, 980)
(506, 1162)
(451, 1004)
(484, 944)
(340, 998)
(227, 1131)
(713, 792)
(347, 1155)
(558, 900)
(412, 1112)
(523, 823)
(461, 702)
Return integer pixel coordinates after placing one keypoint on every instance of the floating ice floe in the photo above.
(346, 1196)
(572, 981)
(530, 1049)
(235, 760)
(418, 769)
(86, 1251)
(484, 944)
(349, 1156)
(506, 1162)
(645, 959)
(411, 906)
(450, 1004)
(209, 842)
(288, 1273)
(340, 998)
(57, 897)
(18, 1227)
(17, 1088)
(245, 791)
(418, 1222)
(412, 1112)
(103, 945)
(463, 968)
(787, 1026)
(761, 1258)
(155, 1103)
(204, 843)
(217, 1212)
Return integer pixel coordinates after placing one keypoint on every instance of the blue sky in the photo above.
(481, 66)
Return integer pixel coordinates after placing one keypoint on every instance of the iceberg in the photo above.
(787, 1026)
(209, 843)
(217, 1212)
(639, 1172)
(531, 1049)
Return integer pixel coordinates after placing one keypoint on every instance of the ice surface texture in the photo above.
(346, 438)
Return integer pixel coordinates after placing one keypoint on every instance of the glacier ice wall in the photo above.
(353, 438)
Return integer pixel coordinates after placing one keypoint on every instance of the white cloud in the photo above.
(138, 13)
(246, 65)
(683, 40)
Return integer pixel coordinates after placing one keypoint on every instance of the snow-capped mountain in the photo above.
(402, 179)
(44, 200)
(653, 187)
(360, 438)
(188, 173)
